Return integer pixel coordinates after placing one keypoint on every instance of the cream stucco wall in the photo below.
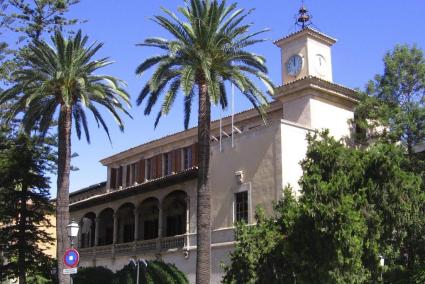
(289, 49)
(330, 115)
(294, 147)
(257, 154)
(314, 48)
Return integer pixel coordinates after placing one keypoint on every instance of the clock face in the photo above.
(294, 65)
(320, 65)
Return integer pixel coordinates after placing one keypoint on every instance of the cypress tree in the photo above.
(24, 206)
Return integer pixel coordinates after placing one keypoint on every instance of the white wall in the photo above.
(294, 147)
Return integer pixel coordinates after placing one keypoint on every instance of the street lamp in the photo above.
(72, 229)
(137, 264)
(382, 264)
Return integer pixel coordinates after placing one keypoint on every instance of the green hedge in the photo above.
(156, 272)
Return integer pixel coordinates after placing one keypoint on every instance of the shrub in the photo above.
(90, 275)
(156, 272)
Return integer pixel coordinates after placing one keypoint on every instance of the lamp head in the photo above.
(72, 229)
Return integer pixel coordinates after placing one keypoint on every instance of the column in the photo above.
(158, 240)
(136, 224)
(96, 232)
(115, 236)
(160, 225)
(187, 220)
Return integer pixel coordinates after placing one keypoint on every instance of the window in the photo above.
(116, 177)
(150, 229)
(119, 178)
(175, 225)
(175, 206)
(241, 206)
(127, 176)
(131, 177)
(113, 178)
(168, 164)
(150, 168)
(128, 233)
(133, 173)
(187, 158)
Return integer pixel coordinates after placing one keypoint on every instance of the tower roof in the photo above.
(306, 32)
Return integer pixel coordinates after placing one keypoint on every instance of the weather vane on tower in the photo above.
(303, 17)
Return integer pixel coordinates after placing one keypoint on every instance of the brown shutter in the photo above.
(113, 178)
(195, 150)
(127, 176)
(141, 173)
(174, 165)
(178, 158)
(119, 177)
(133, 173)
(153, 167)
(159, 166)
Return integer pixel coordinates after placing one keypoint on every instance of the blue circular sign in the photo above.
(71, 258)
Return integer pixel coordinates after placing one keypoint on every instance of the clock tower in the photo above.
(309, 97)
(306, 53)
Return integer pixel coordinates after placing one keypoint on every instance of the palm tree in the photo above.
(59, 80)
(207, 50)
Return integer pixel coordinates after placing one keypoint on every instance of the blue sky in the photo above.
(365, 31)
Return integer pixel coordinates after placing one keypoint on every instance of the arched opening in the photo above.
(125, 215)
(106, 227)
(149, 219)
(175, 213)
(87, 231)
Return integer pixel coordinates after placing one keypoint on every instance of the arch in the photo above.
(125, 219)
(174, 217)
(148, 219)
(87, 231)
(106, 227)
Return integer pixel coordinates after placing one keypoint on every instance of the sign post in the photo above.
(71, 259)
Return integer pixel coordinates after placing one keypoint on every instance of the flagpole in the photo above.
(233, 114)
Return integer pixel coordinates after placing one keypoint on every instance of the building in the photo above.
(147, 206)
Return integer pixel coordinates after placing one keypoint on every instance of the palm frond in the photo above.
(207, 47)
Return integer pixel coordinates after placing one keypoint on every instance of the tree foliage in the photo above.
(32, 18)
(61, 81)
(396, 99)
(25, 21)
(156, 272)
(356, 205)
(98, 274)
(209, 48)
(24, 206)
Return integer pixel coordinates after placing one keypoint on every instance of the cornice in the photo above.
(185, 134)
(329, 90)
(147, 186)
(306, 32)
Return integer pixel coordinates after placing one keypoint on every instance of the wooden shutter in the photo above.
(152, 162)
(119, 181)
(177, 160)
(195, 149)
(113, 178)
(133, 173)
(127, 176)
(141, 171)
(158, 166)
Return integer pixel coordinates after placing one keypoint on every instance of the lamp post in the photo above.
(382, 264)
(72, 230)
(137, 264)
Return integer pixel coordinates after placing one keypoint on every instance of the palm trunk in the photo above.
(203, 267)
(22, 240)
(62, 199)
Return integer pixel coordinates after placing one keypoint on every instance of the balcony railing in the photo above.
(138, 247)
